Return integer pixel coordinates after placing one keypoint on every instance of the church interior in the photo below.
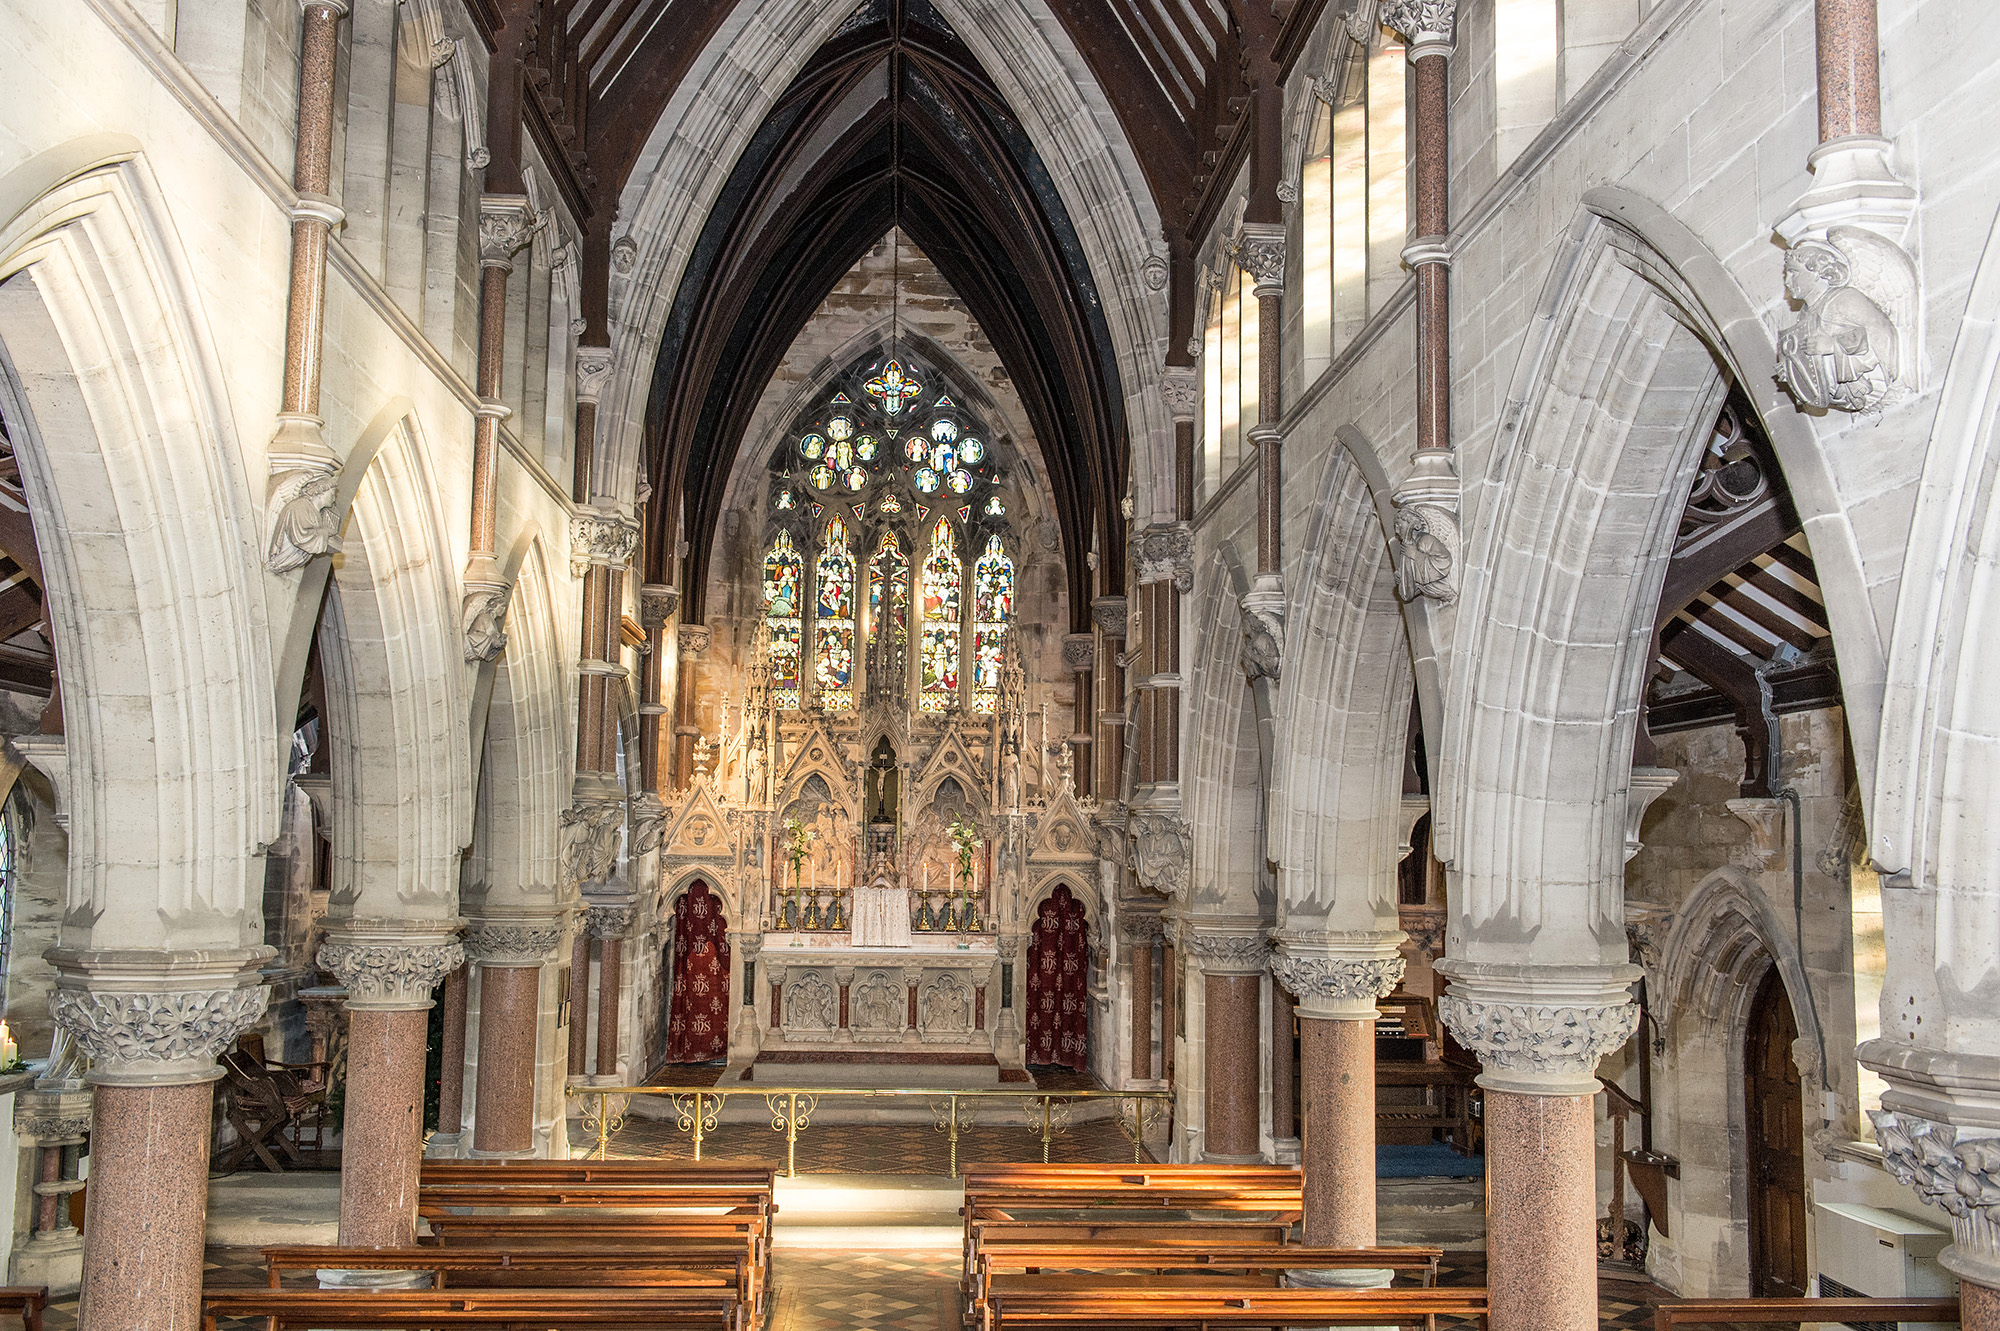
(819, 665)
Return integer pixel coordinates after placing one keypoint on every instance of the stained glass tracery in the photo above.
(942, 574)
(833, 631)
(992, 610)
(888, 615)
(784, 582)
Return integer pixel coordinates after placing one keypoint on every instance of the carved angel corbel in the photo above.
(1854, 346)
(1426, 547)
(305, 520)
(483, 618)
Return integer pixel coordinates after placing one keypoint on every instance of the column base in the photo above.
(521, 1153)
(1369, 1278)
(1216, 1158)
(445, 1146)
(54, 1259)
(344, 1279)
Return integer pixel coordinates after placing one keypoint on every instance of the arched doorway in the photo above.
(698, 1013)
(1058, 983)
(1775, 1145)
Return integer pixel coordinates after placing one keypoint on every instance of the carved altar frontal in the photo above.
(921, 1015)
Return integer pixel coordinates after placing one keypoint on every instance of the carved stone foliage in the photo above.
(601, 538)
(49, 1129)
(1426, 553)
(1167, 551)
(1079, 652)
(1260, 252)
(1230, 954)
(514, 942)
(155, 1038)
(1545, 1048)
(613, 920)
(1182, 391)
(694, 639)
(391, 975)
(1418, 20)
(1162, 847)
(506, 226)
(305, 521)
(1331, 980)
(877, 1003)
(649, 824)
(944, 1006)
(589, 848)
(1948, 1168)
(483, 617)
(1854, 346)
(657, 604)
(1263, 642)
(1110, 614)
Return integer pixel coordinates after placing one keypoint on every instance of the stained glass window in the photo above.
(833, 629)
(888, 616)
(894, 388)
(992, 609)
(971, 452)
(811, 446)
(942, 573)
(995, 508)
(784, 577)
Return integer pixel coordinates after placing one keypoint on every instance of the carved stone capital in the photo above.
(1111, 614)
(1539, 1030)
(1166, 550)
(611, 920)
(589, 849)
(1338, 977)
(483, 619)
(1229, 953)
(1142, 930)
(694, 640)
(1424, 926)
(1647, 784)
(1426, 25)
(657, 603)
(1181, 388)
(1260, 252)
(305, 517)
(593, 372)
(506, 225)
(1079, 652)
(600, 537)
(52, 1120)
(156, 1018)
(1162, 850)
(518, 943)
(391, 965)
(1956, 1169)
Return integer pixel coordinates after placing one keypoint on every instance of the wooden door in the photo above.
(1776, 1146)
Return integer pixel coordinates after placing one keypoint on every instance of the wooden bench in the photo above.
(495, 1310)
(1712, 1312)
(510, 1172)
(26, 1302)
(1026, 1267)
(1120, 1305)
(709, 1265)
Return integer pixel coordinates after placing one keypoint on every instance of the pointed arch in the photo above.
(522, 784)
(1222, 789)
(149, 544)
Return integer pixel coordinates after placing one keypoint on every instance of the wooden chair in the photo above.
(270, 1104)
(26, 1302)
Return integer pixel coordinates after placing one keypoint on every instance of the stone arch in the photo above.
(718, 883)
(1726, 939)
(1344, 694)
(1045, 887)
(1226, 763)
(398, 693)
(519, 740)
(149, 544)
(756, 52)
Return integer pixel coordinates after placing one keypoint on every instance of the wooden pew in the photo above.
(495, 1310)
(1027, 1267)
(705, 1265)
(1713, 1312)
(1120, 1305)
(26, 1302)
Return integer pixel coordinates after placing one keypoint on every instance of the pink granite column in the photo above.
(1079, 654)
(506, 224)
(1283, 1126)
(1850, 69)
(1541, 1212)
(451, 1056)
(1337, 1141)
(504, 1120)
(1261, 252)
(1978, 1307)
(579, 1001)
(142, 1251)
(1232, 966)
(609, 924)
(390, 968)
(1140, 950)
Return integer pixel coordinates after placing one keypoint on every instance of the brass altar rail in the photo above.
(792, 1107)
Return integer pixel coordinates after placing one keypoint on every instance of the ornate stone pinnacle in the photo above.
(391, 965)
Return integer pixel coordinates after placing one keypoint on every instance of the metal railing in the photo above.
(696, 1109)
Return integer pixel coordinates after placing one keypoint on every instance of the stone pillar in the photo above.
(1539, 1032)
(1232, 965)
(152, 1024)
(451, 1066)
(1939, 1130)
(579, 1002)
(1079, 652)
(1337, 978)
(1140, 936)
(1165, 573)
(609, 923)
(1110, 614)
(1850, 69)
(694, 640)
(506, 224)
(510, 954)
(390, 968)
(657, 605)
(304, 519)
(1260, 252)
(1284, 1127)
(593, 372)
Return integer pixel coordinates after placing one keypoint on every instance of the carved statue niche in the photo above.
(1854, 347)
(883, 785)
